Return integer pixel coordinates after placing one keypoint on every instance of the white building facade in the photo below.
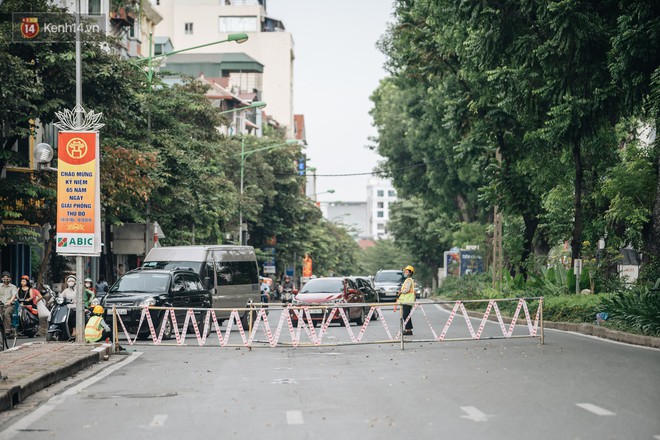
(380, 194)
(190, 23)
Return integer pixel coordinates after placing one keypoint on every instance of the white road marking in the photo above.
(30, 419)
(474, 414)
(656, 437)
(158, 420)
(294, 418)
(595, 409)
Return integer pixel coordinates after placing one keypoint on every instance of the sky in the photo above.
(337, 67)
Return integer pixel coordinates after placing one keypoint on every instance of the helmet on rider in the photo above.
(98, 310)
(410, 268)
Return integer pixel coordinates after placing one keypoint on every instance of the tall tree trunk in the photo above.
(576, 242)
(531, 221)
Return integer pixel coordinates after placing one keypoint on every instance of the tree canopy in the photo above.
(561, 90)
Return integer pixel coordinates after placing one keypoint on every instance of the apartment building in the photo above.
(265, 60)
(380, 194)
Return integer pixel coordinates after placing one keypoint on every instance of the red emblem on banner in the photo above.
(29, 27)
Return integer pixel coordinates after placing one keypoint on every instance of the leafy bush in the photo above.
(571, 308)
(638, 309)
(466, 287)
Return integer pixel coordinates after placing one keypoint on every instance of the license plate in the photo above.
(122, 311)
(315, 311)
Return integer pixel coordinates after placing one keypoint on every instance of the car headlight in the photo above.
(148, 302)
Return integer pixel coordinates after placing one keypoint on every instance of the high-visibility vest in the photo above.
(93, 329)
(407, 295)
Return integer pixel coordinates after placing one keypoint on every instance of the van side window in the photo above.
(225, 274)
(245, 272)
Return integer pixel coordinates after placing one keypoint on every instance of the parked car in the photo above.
(330, 291)
(160, 288)
(388, 283)
(365, 284)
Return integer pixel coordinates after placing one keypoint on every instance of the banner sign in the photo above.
(78, 193)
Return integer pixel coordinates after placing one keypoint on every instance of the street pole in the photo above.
(240, 199)
(150, 74)
(80, 315)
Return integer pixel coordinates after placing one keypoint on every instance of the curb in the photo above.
(38, 381)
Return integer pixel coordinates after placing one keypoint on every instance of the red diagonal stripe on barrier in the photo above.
(435, 336)
(484, 319)
(457, 304)
(128, 338)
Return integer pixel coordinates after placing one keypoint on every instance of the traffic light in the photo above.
(301, 166)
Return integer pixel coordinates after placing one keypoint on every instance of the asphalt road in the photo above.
(572, 387)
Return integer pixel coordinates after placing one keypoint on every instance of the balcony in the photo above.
(122, 17)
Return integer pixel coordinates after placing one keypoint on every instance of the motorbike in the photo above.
(48, 295)
(26, 321)
(62, 319)
(287, 295)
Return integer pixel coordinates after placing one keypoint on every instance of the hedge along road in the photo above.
(570, 387)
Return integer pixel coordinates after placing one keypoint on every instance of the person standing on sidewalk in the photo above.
(7, 292)
(406, 298)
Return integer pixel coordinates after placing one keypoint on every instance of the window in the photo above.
(381, 227)
(380, 214)
(189, 28)
(381, 205)
(391, 193)
(380, 193)
(94, 7)
(245, 272)
(237, 24)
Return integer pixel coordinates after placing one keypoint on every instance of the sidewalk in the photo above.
(31, 367)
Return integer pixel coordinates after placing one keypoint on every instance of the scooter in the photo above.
(62, 319)
(26, 321)
(287, 295)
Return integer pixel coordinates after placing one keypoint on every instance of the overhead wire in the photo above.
(373, 173)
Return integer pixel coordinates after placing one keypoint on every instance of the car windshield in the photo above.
(323, 286)
(194, 265)
(389, 277)
(142, 282)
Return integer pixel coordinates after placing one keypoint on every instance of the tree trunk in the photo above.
(576, 242)
(531, 225)
(48, 248)
(462, 208)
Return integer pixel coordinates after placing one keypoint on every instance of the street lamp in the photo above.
(237, 37)
(255, 104)
(243, 155)
(330, 191)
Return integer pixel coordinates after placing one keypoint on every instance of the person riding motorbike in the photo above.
(287, 289)
(26, 316)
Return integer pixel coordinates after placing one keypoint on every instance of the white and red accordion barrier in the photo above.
(305, 333)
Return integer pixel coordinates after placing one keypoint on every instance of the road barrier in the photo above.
(304, 331)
